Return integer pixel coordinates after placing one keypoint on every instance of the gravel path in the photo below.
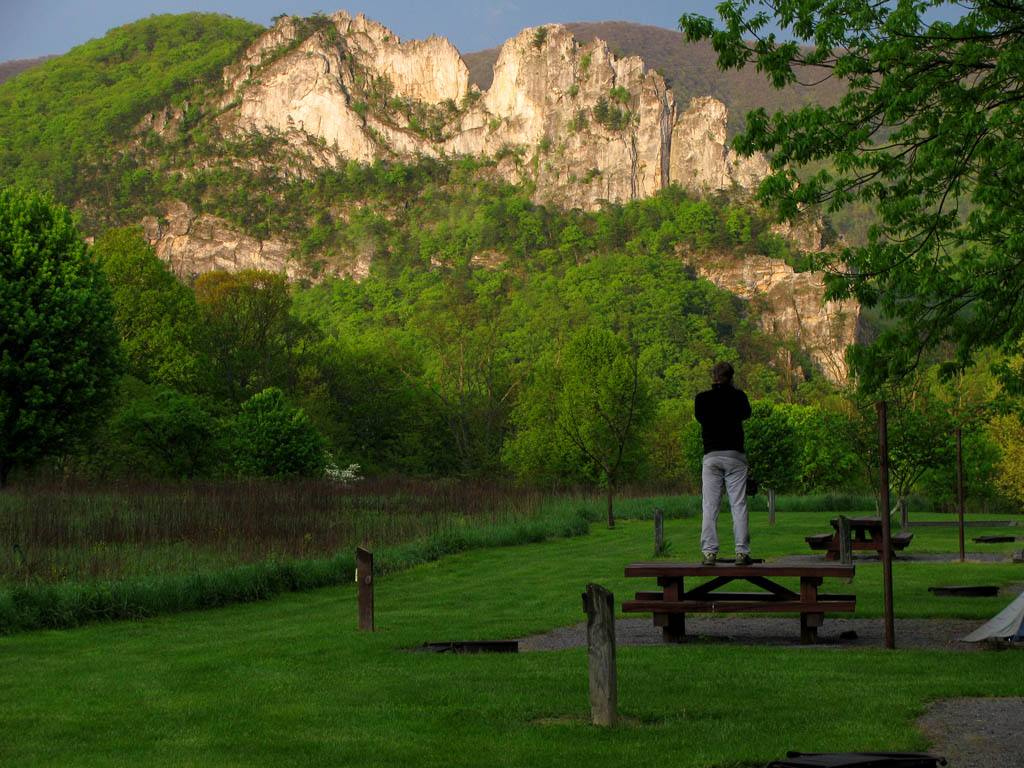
(930, 634)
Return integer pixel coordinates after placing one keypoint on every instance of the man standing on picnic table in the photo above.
(721, 411)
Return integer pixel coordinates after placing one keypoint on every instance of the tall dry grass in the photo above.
(83, 532)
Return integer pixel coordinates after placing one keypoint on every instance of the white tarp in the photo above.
(1007, 623)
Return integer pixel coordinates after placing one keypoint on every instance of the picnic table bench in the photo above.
(673, 601)
(865, 534)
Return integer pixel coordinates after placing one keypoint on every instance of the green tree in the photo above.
(157, 316)
(825, 455)
(469, 370)
(930, 133)
(772, 450)
(275, 439)
(165, 433)
(603, 403)
(920, 433)
(58, 345)
(251, 337)
(372, 413)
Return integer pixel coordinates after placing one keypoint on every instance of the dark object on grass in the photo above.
(993, 539)
(982, 591)
(473, 646)
(858, 760)
(955, 523)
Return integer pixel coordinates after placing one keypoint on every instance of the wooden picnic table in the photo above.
(673, 601)
(865, 534)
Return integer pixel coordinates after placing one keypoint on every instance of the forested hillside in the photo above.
(58, 118)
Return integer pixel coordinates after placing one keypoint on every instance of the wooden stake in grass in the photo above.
(364, 577)
(599, 605)
(659, 531)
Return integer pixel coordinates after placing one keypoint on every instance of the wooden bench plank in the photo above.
(752, 596)
(737, 606)
(772, 570)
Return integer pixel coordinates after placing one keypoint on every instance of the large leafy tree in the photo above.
(930, 133)
(591, 407)
(58, 345)
(157, 316)
(251, 337)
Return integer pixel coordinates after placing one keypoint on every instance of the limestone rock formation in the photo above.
(579, 123)
(792, 307)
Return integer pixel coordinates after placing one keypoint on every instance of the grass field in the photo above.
(291, 682)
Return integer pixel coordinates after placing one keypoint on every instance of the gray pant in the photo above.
(725, 469)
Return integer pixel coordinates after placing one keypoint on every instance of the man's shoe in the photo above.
(743, 559)
(710, 558)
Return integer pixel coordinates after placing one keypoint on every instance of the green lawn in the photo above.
(291, 681)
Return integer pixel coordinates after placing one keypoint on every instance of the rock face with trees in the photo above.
(573, 123)
(574, 120)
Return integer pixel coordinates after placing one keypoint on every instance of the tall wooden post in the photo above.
(599, 605)
(771, 506)
(883, 478)
(659, 531)
(364, 578)
(960, 490)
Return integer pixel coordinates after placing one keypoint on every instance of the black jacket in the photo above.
(721, 411)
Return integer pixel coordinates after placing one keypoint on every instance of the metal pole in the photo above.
(883, 476)
(960, 489)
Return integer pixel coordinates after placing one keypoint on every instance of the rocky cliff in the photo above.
(791, 305)
(579, 123)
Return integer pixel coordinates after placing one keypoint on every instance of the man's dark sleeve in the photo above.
(744, 406)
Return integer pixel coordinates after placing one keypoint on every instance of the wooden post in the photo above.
(599, 605)
(659, 531)
(771, 506)
(960, 490)
(845, 545)
(364, 578)
(883, 478)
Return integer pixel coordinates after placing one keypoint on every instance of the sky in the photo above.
(30, 28)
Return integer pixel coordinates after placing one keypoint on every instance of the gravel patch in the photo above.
(976, 733)
(838, 633)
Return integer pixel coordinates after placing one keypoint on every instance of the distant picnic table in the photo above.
(673, 601)
(865, 534)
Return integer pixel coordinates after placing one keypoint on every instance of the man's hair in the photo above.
(722, 373)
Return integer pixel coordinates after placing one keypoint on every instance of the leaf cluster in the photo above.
(928, 133)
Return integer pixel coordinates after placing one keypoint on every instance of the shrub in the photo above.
(276, 440)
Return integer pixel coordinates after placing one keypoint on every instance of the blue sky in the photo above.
(30, 28)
